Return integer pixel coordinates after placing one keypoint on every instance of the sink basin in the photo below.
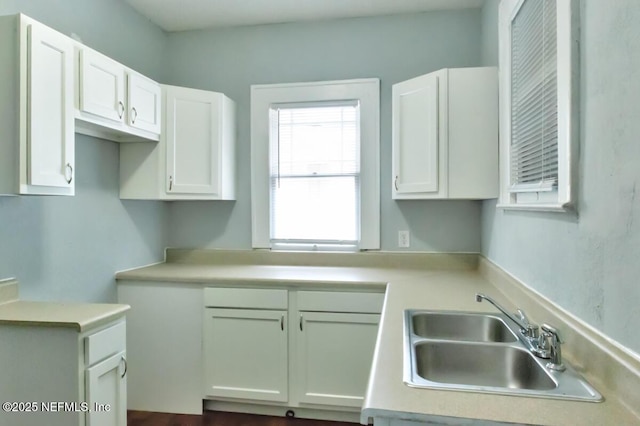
(476, 352)
(481, 365)
(461, 326)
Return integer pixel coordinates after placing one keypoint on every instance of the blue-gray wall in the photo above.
(392, 48)
(68, 248)
(590, 265)
(111, 27)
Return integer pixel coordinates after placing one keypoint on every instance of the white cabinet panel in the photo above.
(164, 346)
(247, 298)
(200, 139)
(415, 113)
(246, 354)
(102, 85)
(445, 135)
(106, 385)
(192, 141)
(340, 301)
(144, 101)
(45, 128)
(51, 143)
(105, 343)
(334, 353)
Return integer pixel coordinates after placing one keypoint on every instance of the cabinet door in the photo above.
(415, 136)
(246, 354)
(106, 391)
(144, 101)
(50, 140)
(334, 354)
(192, 141)
(101, 86)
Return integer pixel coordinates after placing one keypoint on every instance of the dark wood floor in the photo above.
(218, 418)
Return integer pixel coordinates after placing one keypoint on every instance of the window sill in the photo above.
(556, 208)
(314, 248)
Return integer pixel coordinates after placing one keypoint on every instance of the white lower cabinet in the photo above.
(246, 354)
(322, 358)
(245, 344)
(107, 392)
(334, 352)
(57, 376)
(262, 348)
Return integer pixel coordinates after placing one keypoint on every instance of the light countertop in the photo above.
(406, 288)
(388, 396)
(269, 275)
(81, 316)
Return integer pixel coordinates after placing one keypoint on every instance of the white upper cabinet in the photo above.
(101, 86)
(200, 143)
(445, 135)
(144, 99)
(195, 158)
(415, 119)
(37, 152)
(115, 102)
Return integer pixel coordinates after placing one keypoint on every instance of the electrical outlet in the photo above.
(404, 240)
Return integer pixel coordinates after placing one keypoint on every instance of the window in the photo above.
(538, 120)
(315, 173)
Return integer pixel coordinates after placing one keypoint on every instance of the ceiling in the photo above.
(183, 15)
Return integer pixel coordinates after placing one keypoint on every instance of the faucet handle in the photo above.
(530, 330)
(523, 316)
(555, 352)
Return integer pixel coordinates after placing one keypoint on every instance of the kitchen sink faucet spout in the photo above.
(522, 322)
(528, 330)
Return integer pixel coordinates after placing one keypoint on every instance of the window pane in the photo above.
(315, 164)
(319, 140)
(315, 208)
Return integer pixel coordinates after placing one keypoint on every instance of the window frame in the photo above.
(263, 97)
(565, 198)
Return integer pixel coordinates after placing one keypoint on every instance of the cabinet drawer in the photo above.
(105, 343)
(337, 301)
(245, 298)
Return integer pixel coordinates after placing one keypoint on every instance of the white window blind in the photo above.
(315, 174)
(534, 102)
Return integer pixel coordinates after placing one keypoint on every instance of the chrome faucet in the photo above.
(528, 330)
(545, 345)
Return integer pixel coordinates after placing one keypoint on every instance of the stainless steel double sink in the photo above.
(477, 352)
